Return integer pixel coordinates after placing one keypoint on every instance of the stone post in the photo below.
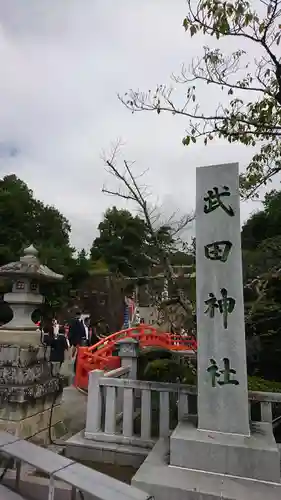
(128, 350)
(222, 443)
(222, 373)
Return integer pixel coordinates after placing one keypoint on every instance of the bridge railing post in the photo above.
(128, 350)
(94, 404)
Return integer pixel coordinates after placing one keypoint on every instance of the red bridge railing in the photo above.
(102, 356)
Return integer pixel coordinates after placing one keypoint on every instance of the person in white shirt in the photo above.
(137, 318)
(56, 327)
(77, 336)
(86, 322)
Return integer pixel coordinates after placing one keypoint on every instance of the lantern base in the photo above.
(30, 387)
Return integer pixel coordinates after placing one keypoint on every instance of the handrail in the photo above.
(138, 331)
(79, 477)
(258, 396)
(107, 394)
(270, 397)
(101, 355)
(146, 385)
(118, 372)
(125, 331)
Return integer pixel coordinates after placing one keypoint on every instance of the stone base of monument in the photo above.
(33, 420)
(30, 388)
(255, 456)
(166, 482)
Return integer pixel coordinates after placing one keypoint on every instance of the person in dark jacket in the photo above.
(88, 331)
(77, 336)
(57, 343)
(77, 332)
(94, 336)
(100, 330)
(59, 346)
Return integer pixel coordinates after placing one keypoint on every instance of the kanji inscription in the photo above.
(225, 306)
(226, 372)
(213, 200)
(218, 250)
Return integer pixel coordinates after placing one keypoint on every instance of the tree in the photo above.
(122, 243)
(252, 115)
(261, 239)
(25, 221)
(261, 243)
(162, 237)
(126, 246)
(79, 269)
(17, 208)
(263, 224)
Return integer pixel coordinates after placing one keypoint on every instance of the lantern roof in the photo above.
(29, 266)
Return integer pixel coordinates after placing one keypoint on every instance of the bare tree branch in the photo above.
(134, 192)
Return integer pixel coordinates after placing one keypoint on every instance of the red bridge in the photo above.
(102, 355)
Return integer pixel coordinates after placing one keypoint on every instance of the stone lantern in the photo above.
(27, 383)
(25, 297)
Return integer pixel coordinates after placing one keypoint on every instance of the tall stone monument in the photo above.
(27, 384)
(222, 442)
(222, 373)
(223, 456)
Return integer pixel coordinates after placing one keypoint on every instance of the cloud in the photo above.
(62, 65)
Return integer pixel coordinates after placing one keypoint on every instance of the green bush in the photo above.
(148, 355)
(168, 370)
(260, 384)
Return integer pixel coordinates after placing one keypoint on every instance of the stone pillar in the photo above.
(222, 373)
(222, 443)
(29, 393)
(128, 350)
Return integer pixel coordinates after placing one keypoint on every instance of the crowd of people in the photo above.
(82, 332)
(79, 332)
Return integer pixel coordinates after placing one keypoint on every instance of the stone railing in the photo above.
(138, 404)
(80, 478)
(150, 409)
(267, 402)
(118, 374)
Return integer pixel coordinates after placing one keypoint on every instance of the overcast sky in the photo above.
(62, 64)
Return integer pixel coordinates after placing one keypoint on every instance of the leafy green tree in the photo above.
(251, 110)
(80, 269)
(261, 244)
(127, 246)
(25, 220)
(123, 243)
(17, 208)
(261, 238)
(264, 259)
(254, 230)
